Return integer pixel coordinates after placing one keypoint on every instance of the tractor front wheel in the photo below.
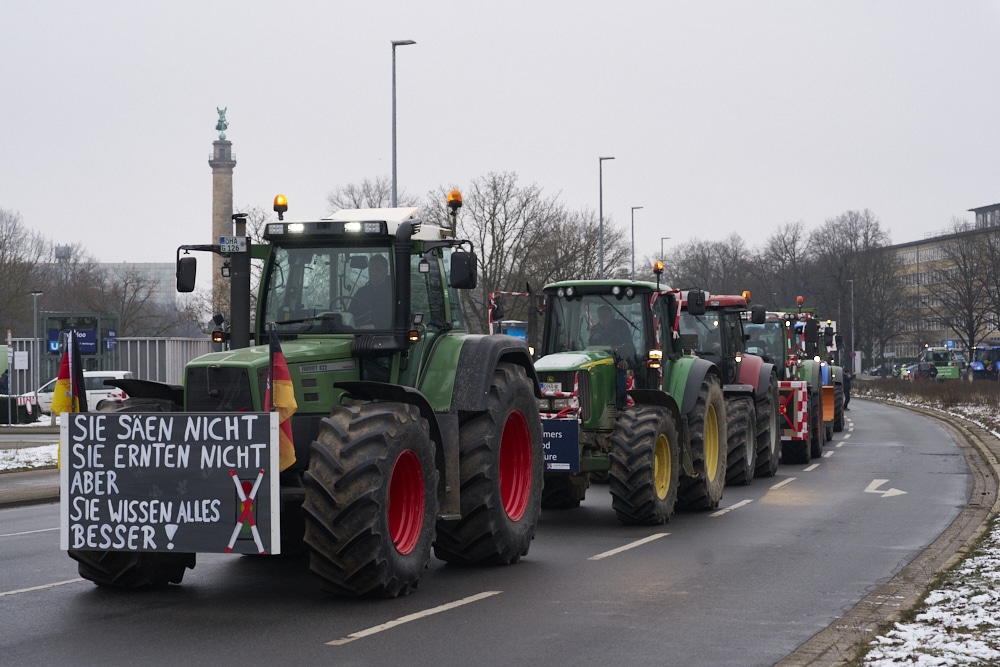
(371, 499)
(645, 465)
(500, 461)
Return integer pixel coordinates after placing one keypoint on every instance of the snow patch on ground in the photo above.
(28, 457)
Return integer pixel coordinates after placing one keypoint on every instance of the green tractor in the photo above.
(622, 398)
(939, 363)
(410, 435)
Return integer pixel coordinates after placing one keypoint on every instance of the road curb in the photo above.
(843, 641)
(29, 495)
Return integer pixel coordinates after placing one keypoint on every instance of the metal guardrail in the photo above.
(155, 359)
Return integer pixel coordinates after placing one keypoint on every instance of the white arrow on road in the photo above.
(873, 488)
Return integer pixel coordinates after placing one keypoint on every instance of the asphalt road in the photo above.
(783, 559)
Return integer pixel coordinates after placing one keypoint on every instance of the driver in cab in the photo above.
(371, 305)
(611, 331)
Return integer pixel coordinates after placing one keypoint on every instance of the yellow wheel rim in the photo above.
(711, 442)
(662, 463)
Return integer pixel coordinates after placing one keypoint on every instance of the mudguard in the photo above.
(697, 371)
(755, 371)
(474, 375)
(656, 397)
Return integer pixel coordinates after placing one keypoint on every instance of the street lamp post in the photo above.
(634, 209)
(600, 206)
(35, 357)
(662, 239)
(853, 370)
(395, 43)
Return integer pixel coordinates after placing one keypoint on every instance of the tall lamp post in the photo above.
(35, 357)
(600, 206)
(634, 209)
(662, 239)
(853, 370)
(395, 43)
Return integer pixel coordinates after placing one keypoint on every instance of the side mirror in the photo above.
(463, 270)
(828, 336)
(758, 313)
(187, 267)
(812, 332)
(696, 302)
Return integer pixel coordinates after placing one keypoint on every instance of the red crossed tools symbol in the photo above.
(246, 512)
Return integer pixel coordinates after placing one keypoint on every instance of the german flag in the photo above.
(280, 397)
(70, 394)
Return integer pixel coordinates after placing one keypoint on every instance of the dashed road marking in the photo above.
(630, 545)
(41, 588)
(732, 507)
(360, 634)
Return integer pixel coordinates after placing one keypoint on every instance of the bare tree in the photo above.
(958, 292)
(524, 238)
(22, 253)
(991, 278)
(369, 193)
(782, 266)
(849, 248)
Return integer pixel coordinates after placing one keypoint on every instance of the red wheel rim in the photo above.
(515, 466)
(406, 502)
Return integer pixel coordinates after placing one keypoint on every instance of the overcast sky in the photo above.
(723, 117)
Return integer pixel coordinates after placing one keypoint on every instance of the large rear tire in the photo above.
(818, 433)
(645, 465)
(563, 491)
(371, 499)
(707, 428)
(500, 476)
(741, 428)
(838, 408)
(132, 569)
(768, 431)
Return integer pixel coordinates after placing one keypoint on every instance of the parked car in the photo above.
(93, 381)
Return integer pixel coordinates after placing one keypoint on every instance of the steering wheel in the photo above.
(347, 301)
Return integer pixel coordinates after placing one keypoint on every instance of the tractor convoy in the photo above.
(652, 387)
(811, 388)
(406, 435)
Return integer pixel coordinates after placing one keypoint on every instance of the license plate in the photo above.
(551, 386)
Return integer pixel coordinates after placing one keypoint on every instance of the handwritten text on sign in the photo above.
(179, 482)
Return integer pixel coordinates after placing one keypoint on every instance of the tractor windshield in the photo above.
(766, 340)
(596, 321)
(939, 356)
(329, 289)
(987, 356)
(707, 328)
